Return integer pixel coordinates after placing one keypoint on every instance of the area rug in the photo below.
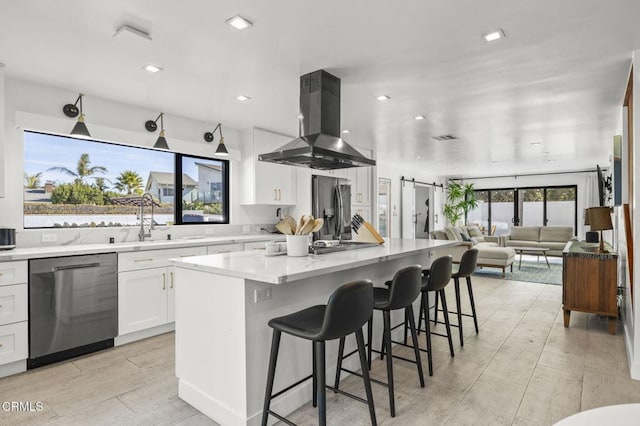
(531, 271)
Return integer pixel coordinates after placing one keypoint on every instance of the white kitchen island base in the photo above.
(222, 337)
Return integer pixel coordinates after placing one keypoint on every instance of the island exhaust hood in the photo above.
(320, 145)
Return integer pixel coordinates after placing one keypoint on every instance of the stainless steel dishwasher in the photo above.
(73, 306)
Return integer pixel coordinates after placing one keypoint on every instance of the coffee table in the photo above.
(532, 250)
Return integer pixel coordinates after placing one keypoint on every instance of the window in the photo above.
(71, 182)
(499, 209)
(204, 190)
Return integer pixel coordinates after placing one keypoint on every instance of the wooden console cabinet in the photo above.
(589, 282)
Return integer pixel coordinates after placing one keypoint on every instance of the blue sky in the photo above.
(42, 152)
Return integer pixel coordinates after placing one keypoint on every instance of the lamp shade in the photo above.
(161, 142)
(600, 218)
(80, 129)
(222, 149)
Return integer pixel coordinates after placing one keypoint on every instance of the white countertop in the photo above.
(77, 249)
(281, 269)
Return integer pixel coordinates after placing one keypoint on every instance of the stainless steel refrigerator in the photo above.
(331, 200)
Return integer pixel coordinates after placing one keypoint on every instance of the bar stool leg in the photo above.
(420, 312)
(365, 376)
(339, 367)
(406, 326)
(314, 378)
(416, 348)
(473, 304)
(445, 313)
(273, 358)
(456, 282)
(435, 312)
(425, 308)
(319, 347)
(387, 341)
(369, 340)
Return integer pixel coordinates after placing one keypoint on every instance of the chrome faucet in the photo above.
(142, 235)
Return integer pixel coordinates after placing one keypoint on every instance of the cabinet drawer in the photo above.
(13, 342)
(256, 245)
(13, 272)
(155, 258)
(224, 248)
(13, 303)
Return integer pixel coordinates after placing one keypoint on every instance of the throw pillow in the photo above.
(451, 234)
(474, 232)
(465, 237)
(465, 233)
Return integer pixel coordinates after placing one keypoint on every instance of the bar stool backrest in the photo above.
(405, 287)
(348, 309)
(439, 273)
(468, 263)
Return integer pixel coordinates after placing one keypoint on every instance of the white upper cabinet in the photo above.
(361, 186)
(266, 183)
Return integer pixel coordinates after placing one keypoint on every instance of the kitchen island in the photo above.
(223, 304)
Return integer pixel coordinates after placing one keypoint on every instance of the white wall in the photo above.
(395, 171)
(33, 106)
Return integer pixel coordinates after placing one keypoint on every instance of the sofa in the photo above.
(555, 238)
(491, 252)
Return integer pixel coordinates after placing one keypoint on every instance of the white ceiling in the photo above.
(558, 78)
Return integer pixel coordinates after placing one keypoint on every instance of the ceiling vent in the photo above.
(448, 137)
(130, 33)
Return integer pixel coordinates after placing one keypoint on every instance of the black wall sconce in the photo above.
(72, 111)
(210, 136)
(152, 126)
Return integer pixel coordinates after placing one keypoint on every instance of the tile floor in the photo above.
(524, 368)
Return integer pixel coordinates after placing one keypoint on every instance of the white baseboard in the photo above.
(13, 368)
(143, 334)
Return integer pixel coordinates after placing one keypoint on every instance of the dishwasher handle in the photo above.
(78, 266)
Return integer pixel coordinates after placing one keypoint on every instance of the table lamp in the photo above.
(590, 236)
(600, 220)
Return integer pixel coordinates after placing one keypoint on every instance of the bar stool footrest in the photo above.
(360, 375)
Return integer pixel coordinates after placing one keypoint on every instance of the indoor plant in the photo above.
(461, 198)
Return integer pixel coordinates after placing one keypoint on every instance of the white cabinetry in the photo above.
(361, 187)
(266, 183)
(14, 343)
(224, 248)
(146, 288)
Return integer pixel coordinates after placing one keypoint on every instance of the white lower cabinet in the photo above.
(146, 295)
(14, 324)
(14, 345)
(142, 299)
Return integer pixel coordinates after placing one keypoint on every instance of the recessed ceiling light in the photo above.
(152, 68)
(551, 161)
(239, 23)
(346, 131)
(495, 35)
(544, 153)
(419, 117)
(243, 98)
(418, 156)
(536, 143)
(383, 98)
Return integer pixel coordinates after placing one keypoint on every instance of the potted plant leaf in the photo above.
(461, 199)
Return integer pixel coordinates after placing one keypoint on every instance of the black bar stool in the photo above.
(468, 264)
(403, 291)
(436, 280)
(346, 312)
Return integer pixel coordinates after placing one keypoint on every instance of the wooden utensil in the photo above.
(284, 227)
(292, 224)
(300, 224)
(317, 224)
(308, 225)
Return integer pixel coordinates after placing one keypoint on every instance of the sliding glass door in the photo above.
(499, 209)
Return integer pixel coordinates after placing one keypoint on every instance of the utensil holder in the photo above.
(297, 245)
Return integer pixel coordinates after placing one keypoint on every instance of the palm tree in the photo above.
(83, 171)
(129, 181)
(32, 181)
